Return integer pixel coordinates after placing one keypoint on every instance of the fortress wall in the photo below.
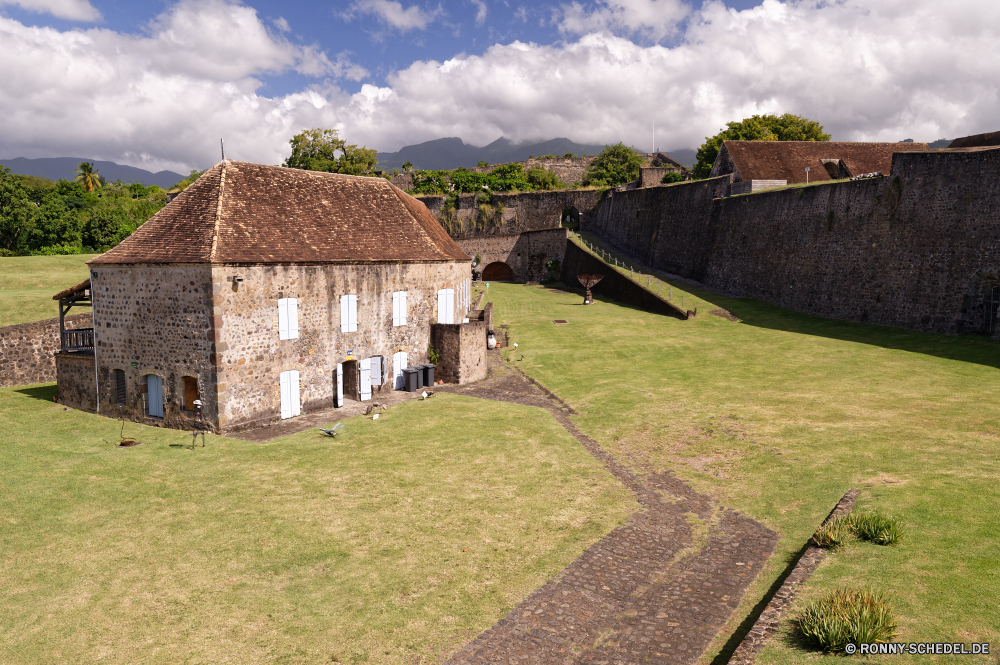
(904, 250)
(509, 214)
(667, 227)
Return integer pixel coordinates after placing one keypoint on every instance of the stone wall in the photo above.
(526, 253)
(77, 382)
(250, 357)
(509, 214)
(569, 169)
(27, 350)
(463, 351)
(918, 249)
(665, 227)
(651, 176)
(614, 285)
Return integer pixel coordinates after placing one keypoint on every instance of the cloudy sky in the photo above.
(156, 83)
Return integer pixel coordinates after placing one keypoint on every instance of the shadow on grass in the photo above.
(46, 393)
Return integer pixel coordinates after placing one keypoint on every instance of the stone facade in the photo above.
(510, 214)
(219, 325)
(526, 253)
(77, 381)
(27, 350)
(463, 351)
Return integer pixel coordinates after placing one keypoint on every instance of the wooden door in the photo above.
(154, 393)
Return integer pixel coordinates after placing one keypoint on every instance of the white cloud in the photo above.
(480, 11)
(72, 10)
(896, 69)
(392, 13)
(281, 24)
(654, 19)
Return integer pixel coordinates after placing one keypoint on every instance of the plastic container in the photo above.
(411, 377)
(428, 371)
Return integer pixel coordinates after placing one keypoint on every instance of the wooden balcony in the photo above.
(81, 339)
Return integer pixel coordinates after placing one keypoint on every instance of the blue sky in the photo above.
(154, 84)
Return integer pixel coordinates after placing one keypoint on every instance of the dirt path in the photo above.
(657, 589)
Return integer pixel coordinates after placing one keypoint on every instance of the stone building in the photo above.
(262, 292)
(757, 165)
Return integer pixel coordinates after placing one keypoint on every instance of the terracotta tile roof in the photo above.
(977, 141)
(240, 212)
(787, 160)
(82, 286)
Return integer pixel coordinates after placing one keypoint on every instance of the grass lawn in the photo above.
(27, 284)
(777, 415)
(396, 542)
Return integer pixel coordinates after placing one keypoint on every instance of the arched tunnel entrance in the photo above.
(498, 271)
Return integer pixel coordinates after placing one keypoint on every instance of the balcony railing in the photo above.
(78, 340)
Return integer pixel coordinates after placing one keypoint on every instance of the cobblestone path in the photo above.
(656, 589)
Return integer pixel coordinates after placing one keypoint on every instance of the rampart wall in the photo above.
(918, 249)
(509, 214)
(27, 350)
(526, 253)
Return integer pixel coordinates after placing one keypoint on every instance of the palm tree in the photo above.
(87, 174)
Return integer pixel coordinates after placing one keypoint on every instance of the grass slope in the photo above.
(27, 284)
(778, 415)
(396, 542)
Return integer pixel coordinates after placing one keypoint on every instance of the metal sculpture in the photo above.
(588, 281)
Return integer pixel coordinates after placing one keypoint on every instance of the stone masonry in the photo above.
(526, 253)
(27, 350)
(463, 351)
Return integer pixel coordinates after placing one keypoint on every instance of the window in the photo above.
(399, 308)
(288, 318)
(446, 306)
(190, 392)
(119, 386)
(154, 396)
(348, 313)
(289, 383)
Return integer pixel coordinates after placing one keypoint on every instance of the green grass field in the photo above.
(777, 415)
(396, 542)
(27, 284)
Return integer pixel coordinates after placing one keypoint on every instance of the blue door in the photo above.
(154, 395)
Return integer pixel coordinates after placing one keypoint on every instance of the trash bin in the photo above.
(411, 376)
(429, 374)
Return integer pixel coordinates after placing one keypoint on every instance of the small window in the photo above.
(348, 313)
(288, 318)
(190, 393)
(446, 306)
(399, 308)
(120, 393)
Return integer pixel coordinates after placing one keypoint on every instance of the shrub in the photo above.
(541, 178)
(670, 177)
(848, 616)
(873, 527)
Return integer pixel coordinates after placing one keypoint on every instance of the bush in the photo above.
(616, 165)
(848, 616)
(873, 527)
(670, 177)
(541, 178)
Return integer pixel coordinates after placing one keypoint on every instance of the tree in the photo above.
(317, 150)
(671, 176)
(17, 212)
(540, 178)
(616, 165)
(482, 164)
(186, 182)
(407, 165)
(787, 127)
(88, 176)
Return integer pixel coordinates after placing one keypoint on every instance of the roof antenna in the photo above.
(223, 145)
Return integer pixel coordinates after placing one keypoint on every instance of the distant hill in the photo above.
(55, 168)
(451, 153)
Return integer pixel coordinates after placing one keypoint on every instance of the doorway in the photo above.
(498, 271)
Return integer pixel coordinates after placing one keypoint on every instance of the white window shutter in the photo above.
(442, 306)
(375, 364)
(293, 389)
(286, 397)
(340, 385)
(451, 305)
(283, 318)
(366, 379)
(354, 313)
(402, 308)
(345, 319)
(293, 318)
(395, 308)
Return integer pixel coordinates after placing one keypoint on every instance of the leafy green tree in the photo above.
(786, 127)
(616, 165)
(509, 178)
(671, 176)
(482, 164)
(407, 166)
(18, 214)
(188, 181)
(317, 150)
(88, 176)
(541, 178)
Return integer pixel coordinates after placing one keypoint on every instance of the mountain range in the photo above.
(55, 168)
(451, 153)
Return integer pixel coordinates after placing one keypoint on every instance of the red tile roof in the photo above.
(240, 212)
(787, 160)
(73, 290)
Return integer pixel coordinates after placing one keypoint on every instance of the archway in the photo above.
(570, 218)
(498, 271)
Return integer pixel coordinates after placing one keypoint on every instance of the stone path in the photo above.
(657, 589)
